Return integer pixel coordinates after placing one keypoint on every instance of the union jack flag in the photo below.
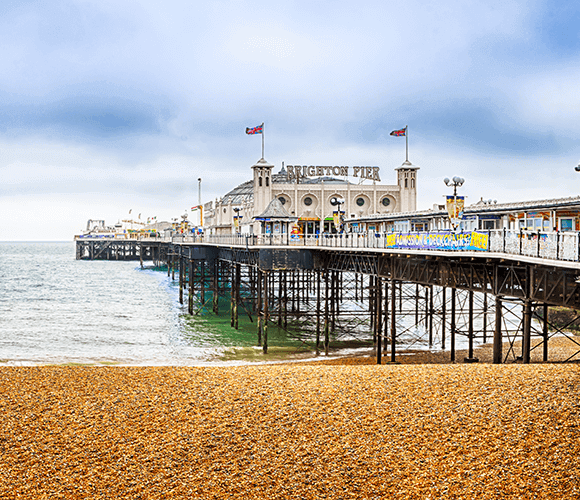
(256, 130)
(399, 133)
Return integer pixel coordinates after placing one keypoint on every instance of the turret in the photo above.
(262, 185)
(407, 180)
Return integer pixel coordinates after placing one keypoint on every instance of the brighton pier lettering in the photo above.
(297, 171)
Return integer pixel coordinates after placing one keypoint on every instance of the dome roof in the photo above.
(245, 191)
(242, 193)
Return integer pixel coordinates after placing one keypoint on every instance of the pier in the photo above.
(491, 286)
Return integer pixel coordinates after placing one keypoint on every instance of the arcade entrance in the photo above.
(309, 226)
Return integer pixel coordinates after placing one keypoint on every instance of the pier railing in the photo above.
(547, 245)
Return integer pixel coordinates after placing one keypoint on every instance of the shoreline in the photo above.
(559, 350)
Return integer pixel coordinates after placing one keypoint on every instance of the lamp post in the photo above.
(184, 223)
(455, 182)
(199, 202)
(238, 218)
(335, 201)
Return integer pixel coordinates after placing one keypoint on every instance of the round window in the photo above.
(225, 210)
(282, 200)
(360, 202)
(308, 201)
(386, 202)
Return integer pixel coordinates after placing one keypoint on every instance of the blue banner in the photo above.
(443, 240)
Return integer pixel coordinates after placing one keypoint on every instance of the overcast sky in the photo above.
(111, 105)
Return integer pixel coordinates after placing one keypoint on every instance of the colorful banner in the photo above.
(336, 219)
(455, 206)
(473, 240)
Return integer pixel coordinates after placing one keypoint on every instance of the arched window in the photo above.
(260, 182)
(267, 181)
(406, 182)
(412, 183)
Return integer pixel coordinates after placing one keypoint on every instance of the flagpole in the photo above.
(406, 143)
(262, 141)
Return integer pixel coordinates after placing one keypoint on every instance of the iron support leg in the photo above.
(527, 327)
(545, 333)
(265, 323)
(497, 338)
(452, 339)
(393, 319)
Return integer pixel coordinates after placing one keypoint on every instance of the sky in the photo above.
(108, 107)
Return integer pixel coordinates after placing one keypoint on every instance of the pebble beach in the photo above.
(291, 431)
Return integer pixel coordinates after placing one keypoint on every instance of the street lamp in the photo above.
(237, 218)
(335, 201)
(453, 215)
(199, 202)
(184, 223)
(455, 182)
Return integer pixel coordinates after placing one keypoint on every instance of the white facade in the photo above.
(308, 199)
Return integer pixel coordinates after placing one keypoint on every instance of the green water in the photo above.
(221, 342)
(206, 329)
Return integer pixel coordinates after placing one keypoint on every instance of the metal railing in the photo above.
(563, 246)
(546, 245)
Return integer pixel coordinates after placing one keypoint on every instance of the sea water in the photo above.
(55, 309)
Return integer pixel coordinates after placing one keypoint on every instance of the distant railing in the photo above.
(546, 245)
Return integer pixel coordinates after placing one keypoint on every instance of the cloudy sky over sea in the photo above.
(109, 106)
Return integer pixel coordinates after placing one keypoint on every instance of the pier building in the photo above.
(311, 196)
(560, 214)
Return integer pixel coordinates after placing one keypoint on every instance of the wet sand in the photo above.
(291, 431)
(561, 349)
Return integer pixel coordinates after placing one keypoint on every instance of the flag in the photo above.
(256, 130)
(400, 132)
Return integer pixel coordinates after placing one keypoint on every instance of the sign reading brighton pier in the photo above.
(298, 171)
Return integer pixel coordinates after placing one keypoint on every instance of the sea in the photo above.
(55, 309)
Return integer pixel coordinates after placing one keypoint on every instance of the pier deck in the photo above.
(364, 287)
